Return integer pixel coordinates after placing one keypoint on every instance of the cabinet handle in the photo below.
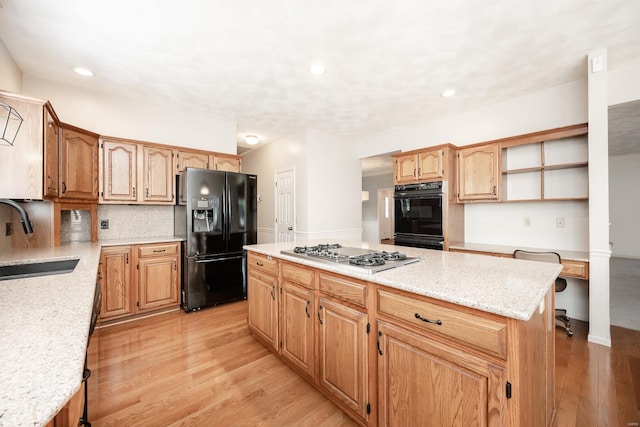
(414, 174)
(319, 310)
(379, 349)
(134, 192)
(259, 264)
(273, 295)
(146, 192)
(419, 171)
(306, 309)
(494, 190)
(159, 250)
(126, 258)
(64, 187)
(175, 265)
(437, 321)
(50, 186)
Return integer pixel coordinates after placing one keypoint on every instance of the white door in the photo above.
(285, 214)
(385, 213)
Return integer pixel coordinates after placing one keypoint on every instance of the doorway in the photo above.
(285, 206)
(385, 215)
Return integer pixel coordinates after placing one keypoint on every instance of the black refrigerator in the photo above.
(216, 214)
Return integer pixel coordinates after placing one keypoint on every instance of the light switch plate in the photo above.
(104, 224)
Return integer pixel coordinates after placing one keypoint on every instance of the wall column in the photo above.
(599, 251)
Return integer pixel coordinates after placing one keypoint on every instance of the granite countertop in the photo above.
(505, 249)
(44, 328)
(508, 287)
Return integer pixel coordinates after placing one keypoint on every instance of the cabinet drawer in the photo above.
(158, 249)
(263, 263)
(296, 274)
(486, 335)
(577, 269)
(348, 290)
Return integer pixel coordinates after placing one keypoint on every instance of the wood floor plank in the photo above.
(206, 369)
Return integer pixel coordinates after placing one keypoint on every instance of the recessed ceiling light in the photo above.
(447, 93)
(251, 139)
(316, 69)
(83, 71)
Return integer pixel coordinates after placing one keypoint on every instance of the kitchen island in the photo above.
(454, 338)
(44, 329)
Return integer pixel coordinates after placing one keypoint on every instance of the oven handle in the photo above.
(410, 195)
(208, 260)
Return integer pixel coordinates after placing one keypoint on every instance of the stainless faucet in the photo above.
(26, 222)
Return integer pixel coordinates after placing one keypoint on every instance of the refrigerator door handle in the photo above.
(229, 205)
(208, 260)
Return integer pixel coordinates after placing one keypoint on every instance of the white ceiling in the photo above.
(386, 61)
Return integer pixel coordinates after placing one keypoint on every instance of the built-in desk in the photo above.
(575, 263)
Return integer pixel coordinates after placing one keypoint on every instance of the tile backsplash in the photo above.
(126, 221)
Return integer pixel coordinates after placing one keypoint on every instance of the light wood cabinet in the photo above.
(115, 270)
(135, 173)
(157, 276)
(191, 159)
(155, 285)
(225, 163)
(51, 153)
(426, 382)
(262, 294)
(342, 351)
(71, 413)
(421, 166)
(78, 164)
(297, 325)
(120, 171)
(478, 173)
(158, 178)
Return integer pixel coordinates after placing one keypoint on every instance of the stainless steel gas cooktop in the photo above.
(356, 259)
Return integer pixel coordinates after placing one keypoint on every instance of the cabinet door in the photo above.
(478, 173)
(343, 354)
(51, 158)
(405, 169)
(78, 165)
(227, 164)
(115, 268)
(119, 171)
(297, 327)
(157, 283)
(189, 159)
(430, 165)
(262, 293)
(158, 175)
(474, 388)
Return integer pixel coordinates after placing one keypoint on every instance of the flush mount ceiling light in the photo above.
(83, 71)
(447, 93)
(316, 69)
(251, 139)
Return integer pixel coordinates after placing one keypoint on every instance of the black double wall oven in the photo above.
(419, 215)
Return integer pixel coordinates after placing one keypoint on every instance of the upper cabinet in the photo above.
(78, 164)
(51, 153)
(22, 129)
(545, 165)
(478, 173)
(422, 165)
(225, 163)
(191, 159)
(134, 172)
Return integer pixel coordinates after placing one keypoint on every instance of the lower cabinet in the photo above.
(71, 413)
(154, 286)
(297, 325)
(342, 342)
(262, 293)
(424, 382)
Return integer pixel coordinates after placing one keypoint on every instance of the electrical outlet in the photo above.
(104, 224)
(559, 222)
(527, 221)
(8, 230)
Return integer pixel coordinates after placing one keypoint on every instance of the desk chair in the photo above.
(562, 320)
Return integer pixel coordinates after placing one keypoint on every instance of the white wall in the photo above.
(624, 205)
(124, 118)
(10, 74)
(624, 84)
(333, 187)
(288, 153)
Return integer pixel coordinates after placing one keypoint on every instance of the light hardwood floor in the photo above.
(205, 369)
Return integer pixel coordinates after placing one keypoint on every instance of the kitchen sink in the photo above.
(21, 271)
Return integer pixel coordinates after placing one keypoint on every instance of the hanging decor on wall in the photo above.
(10, 122)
